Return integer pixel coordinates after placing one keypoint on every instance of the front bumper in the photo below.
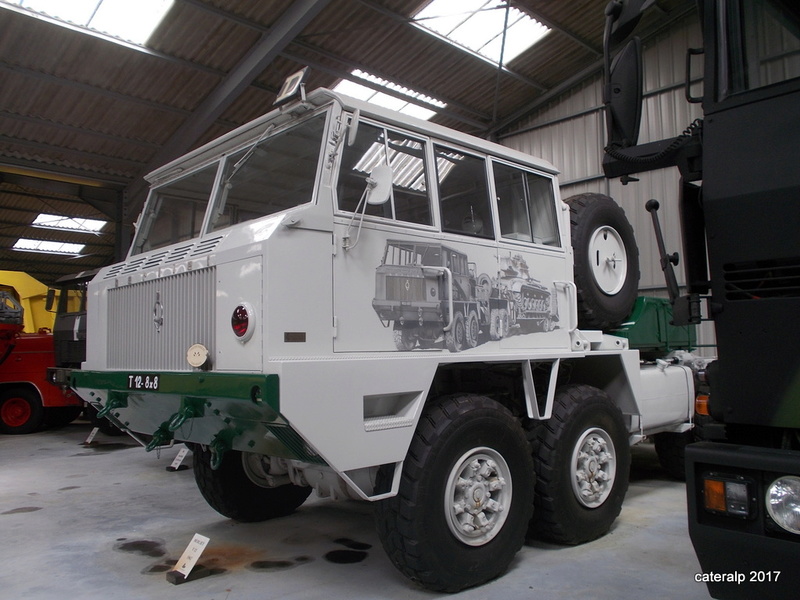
(225, 411)
(742, 557)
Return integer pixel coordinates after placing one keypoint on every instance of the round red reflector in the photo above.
(240, 320)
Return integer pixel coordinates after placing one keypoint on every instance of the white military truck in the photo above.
(336, 297)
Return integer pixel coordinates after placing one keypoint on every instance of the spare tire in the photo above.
(606, 261)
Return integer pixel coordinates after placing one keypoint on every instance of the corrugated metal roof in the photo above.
(79, 106)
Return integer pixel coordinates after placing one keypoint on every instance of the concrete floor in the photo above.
(108, 521)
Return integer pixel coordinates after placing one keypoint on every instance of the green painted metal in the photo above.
(224, 411)
(648, 329)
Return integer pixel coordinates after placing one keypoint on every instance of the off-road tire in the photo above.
(232, 493)
(599, 308)
(418, 527)
(559, 514)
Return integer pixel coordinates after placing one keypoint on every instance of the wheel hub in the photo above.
(593, 467)
(607, 258)
(478, 495)
(16, 412)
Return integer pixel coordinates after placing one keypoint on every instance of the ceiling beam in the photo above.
(299, 14)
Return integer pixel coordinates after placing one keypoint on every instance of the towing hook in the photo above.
(221, 443)
(161, 437)
(114, 402)
(191, 408)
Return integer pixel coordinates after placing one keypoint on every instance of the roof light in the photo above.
(478, 25)
(61, 222)
(47, 247)
(393, 102)
(122, 19)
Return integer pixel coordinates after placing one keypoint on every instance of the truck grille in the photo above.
(756, 280)
(185, 302)
(405, 289)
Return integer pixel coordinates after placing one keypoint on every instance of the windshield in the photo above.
(267, 177)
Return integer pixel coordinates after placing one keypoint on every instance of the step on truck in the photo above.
(337, 297)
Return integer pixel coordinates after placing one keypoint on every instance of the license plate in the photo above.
(143, 381)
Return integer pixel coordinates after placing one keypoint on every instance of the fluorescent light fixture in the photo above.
(125, 20)
(477, 26)
(362, 92)
(68, 223)
(48, 247)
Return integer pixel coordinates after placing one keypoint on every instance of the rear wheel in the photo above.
(21, 411)
(582, 460)
(465, 497)
(239, 488)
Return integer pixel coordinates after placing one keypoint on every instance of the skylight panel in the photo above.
(477, 26)
(48, 247)
(121, 19)
(392, 102)
(68, 223)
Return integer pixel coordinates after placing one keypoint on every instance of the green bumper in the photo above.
(225, 411)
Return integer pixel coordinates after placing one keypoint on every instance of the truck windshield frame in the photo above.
(759, 46)
(263, 178)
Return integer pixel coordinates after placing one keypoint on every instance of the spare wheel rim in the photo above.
(608, 260)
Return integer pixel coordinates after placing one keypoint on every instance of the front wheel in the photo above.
(21, 411)
(582, 461)
(465, 497)
(239, 489)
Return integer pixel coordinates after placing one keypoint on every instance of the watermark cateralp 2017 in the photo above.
(738, 577)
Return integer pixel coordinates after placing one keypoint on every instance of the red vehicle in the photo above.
(28, 401)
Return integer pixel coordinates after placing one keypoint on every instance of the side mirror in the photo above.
(352, 128)
(377, 192)
(50, 299)
(622, 17)
(624, 96)
(379, 185)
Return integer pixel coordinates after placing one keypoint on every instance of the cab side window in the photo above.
(463, 193)
(409, 200)
(526, 206)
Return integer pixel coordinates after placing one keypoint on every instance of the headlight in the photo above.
(783, 502)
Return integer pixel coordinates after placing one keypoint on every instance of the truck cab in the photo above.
(307, 295)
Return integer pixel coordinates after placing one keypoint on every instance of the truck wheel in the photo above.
(21, 411)
(671, 451)
(606, 261)
(238, 488)
(404, 338)
(473, 329)
(465, 496)
(582, 460)
(456, 338)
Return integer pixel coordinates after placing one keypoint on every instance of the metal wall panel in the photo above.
(571, 133)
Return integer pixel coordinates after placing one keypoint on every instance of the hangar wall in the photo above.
(571, 133)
